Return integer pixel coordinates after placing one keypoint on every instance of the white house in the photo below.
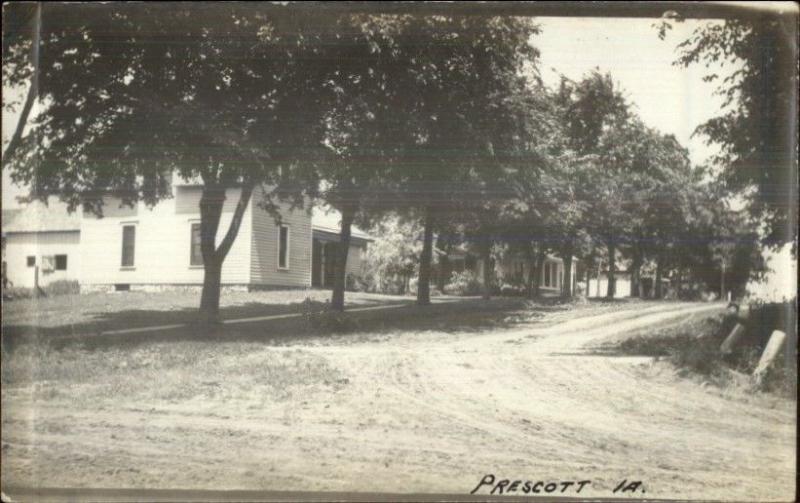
(142, 247)
(515, 269)
(41, 243)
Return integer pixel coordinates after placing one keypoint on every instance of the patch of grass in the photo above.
(694, 348)
(169, 371)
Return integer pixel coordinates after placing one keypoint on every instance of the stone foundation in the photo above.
(105, 288)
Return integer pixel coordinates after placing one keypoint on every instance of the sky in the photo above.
(669, 98)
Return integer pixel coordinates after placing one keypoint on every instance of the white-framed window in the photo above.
(195, 251)
(284, 246)
(128, 245)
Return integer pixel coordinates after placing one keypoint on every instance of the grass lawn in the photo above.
(95, 312)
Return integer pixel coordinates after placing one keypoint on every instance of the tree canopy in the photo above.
(756, 131)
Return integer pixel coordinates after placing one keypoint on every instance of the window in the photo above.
(196, 254)
(128, 245)
(283, 247)
(61, 262)
(31, 260)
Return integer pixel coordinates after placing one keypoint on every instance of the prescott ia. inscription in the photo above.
(490, 484)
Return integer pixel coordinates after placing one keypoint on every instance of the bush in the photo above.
(321, 319)
(511, 288)
(463, 283)
(355, 283)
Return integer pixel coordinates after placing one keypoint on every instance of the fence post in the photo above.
(773, 349)
(732, 339)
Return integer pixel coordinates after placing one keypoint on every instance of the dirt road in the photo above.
(425, 412)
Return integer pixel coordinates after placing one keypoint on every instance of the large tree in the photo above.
(601, 133)
(756, 129)
(462, 72)
(227, 94)
(362, 129)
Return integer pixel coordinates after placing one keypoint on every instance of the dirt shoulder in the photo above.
(425, 409)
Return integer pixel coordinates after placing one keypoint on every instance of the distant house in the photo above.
(513, 269)
(143, 247)
(326, 226)
(41, 243)
(598, 285)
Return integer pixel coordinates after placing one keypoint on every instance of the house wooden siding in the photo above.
(264, 270)
(21, 245)
(162, 242)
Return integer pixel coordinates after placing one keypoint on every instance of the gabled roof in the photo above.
(326, 219)
(40, 217)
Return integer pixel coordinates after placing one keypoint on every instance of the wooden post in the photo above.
(732, 339)
(773, 349)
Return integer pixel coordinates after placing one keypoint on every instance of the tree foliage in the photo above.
(756, 130)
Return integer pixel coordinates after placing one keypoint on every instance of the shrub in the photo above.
(354, 283)
(463, 283)
(320, 318)
(512, 288)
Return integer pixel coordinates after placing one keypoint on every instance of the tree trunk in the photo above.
(722, 282)
(211, 202)
(598, 280)
(444, 273)
(33, 90)
(424, 283)
(659, 291)
(340, 273)
(487, 271)
(566, 288)
(636, 272)
(212, 282)
(588, 277)
(612, 269)
(589, 265)
(537, 283)
(531, 256)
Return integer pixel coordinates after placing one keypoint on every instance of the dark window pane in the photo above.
(128, 245)
(31, 261)
(283, 251)
(196, 257)
(61, 262)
